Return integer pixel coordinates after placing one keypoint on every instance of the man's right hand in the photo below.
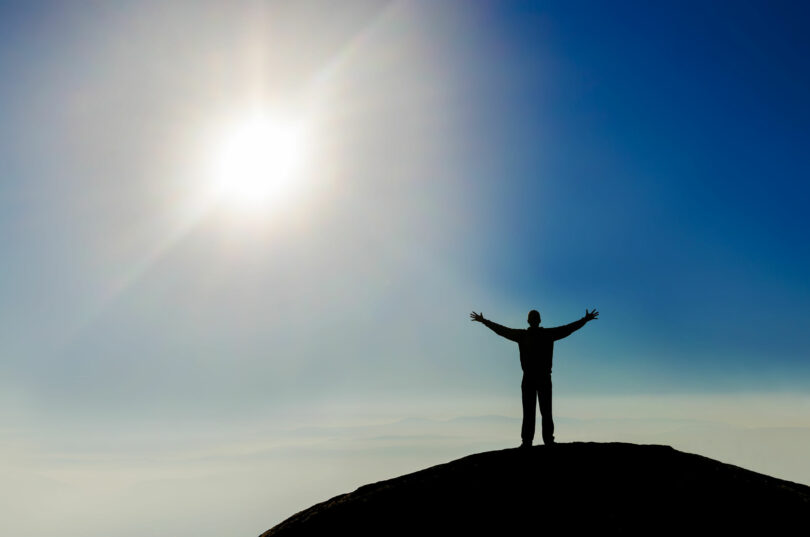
(591, 315)
(479, 317)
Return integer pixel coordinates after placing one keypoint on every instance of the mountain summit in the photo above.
(607, 489)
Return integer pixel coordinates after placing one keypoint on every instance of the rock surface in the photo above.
(613, 489)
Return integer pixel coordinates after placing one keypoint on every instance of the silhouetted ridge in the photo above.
(614, 489)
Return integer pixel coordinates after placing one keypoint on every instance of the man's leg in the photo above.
(527, 430)
(544, 395)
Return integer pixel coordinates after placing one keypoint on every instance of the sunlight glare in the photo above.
(259, 162)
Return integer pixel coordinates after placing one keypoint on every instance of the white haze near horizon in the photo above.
(170, 373)
(241, 478)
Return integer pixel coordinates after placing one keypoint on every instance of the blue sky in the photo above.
(645, 159)
(655, 166)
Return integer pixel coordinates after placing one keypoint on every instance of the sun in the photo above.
(258, 163)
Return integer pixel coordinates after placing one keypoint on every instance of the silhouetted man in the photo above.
(536, 347)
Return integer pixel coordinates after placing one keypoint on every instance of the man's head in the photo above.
(534, 318)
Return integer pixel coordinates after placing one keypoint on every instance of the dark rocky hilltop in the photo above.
(590, 488)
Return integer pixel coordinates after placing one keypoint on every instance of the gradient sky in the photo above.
(646, 159)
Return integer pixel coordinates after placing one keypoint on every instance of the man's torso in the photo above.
(536, 350)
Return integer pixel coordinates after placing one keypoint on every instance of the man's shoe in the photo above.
(526, 445)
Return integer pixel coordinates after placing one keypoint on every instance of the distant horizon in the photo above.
(337, 453)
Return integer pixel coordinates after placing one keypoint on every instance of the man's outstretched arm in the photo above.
(508, 333)
(560, 332)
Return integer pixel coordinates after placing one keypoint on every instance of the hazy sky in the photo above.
(646, 159)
